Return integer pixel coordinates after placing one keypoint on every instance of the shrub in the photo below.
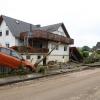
(89, 60)
(98, 52)
(85, 54)
(42, 69)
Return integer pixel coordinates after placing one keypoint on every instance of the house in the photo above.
(97, 47)
(41, 40)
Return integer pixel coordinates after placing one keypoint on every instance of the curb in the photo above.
(42, 76)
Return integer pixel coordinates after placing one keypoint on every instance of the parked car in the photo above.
(12, 59)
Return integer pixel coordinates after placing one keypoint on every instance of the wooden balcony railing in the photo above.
(38, 34)
(23, 49)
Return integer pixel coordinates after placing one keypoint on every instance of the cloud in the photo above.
(81, 17)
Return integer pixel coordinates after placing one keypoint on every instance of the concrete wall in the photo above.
(58, 58)
(10, 39)
(58, 55)
(60, 50)
(33, 57)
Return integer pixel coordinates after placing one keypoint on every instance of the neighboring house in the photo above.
(97, 48)
(14, 32)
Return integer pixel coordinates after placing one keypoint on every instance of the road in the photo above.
(83, 85)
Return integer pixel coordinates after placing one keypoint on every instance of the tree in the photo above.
(86, 48)
(85, 54)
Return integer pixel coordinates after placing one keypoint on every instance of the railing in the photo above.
(23, 49)
(48, 36)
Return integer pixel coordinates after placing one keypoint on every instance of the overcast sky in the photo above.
(81, 17)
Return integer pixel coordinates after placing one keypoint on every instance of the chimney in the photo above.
(31, 28)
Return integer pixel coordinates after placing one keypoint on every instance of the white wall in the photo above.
(59, 58)
(58, 55)
(33, 58)
(60, 50)
(60, 31)
(6, 39)
(18, 42)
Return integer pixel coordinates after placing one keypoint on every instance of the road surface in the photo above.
(83, 85)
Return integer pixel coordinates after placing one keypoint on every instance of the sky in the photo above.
(81, 17)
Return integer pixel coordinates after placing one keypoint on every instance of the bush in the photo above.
(98, 52)
(89, 60)
(42, 69)
(85, 54)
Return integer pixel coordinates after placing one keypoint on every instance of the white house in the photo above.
(41, 39)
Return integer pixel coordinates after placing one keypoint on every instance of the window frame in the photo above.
(57, 47)
(7, 32)
(7, 45)
(38, 57)
(0, 33)
(65, 47)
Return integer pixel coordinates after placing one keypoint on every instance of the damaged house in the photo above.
(38, 40)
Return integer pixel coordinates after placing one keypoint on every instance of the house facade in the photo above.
(14, 32)
(97, 47)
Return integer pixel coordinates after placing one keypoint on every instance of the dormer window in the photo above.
(7, 32)
(17, 21)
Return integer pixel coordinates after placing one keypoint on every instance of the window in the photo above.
(0, 33)
(63, 57)
(7, 32)
(7, 45)
(15, 54)
(38, 57)
(65, 48)
(28, 57)
(11, 53)
(4, 50)
(57, 47)
(52, 46)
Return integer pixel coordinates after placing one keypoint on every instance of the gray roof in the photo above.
(17, 26)
(51, 28)
(98, 45)
(54, 27)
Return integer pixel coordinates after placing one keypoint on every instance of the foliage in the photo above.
(89, 60)
(85, 54)
(41, 69)
(94, 57)
(98, 52)
(86, 48)
(93, 48)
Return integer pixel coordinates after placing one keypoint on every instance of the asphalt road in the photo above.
(84, 85)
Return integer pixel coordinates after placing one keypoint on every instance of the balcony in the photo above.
(39, 34)
(23, 49)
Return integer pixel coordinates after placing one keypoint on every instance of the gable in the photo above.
(17, 26)
(60, 31)
(6, 39)
(3, 26)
